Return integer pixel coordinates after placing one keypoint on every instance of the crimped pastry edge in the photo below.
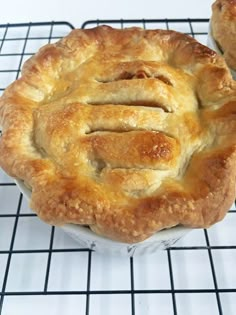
(223, 21)
(189, 206)
(88, 239)
(211, 43)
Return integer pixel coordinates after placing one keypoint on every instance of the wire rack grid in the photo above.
(43, 270)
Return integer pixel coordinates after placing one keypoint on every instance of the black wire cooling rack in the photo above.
(42, 270)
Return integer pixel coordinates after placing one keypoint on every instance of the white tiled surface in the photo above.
(116, 277)
(27, 272)
(229, 236)
(192, 270)
(228, 301)
(153, 304)
(38, 305)
(224, 261)
(9, 205)
(68, 271)
(6, 229)
(3, 262)
(195, 304)
(110, 304)
(152, 277)
(107, 278)
(31, 233)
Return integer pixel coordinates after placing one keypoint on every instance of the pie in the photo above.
(223, 27)
(127, 131)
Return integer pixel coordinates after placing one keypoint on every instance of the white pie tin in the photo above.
(88, 239)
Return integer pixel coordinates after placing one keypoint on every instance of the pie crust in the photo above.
(223, 24)
(126, 131)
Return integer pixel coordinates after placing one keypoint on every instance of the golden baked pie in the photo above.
(223, 27)
(126, 131)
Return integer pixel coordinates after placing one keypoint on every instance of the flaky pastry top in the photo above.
(223, 27)
(127, 131)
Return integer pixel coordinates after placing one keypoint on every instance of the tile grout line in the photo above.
(132, 285)
(10, 254)
(167, 24)
(191, 29)
(116, 292)
(23, 51)
(12, 241)
(4, 38)
(87, 307)
(213, 273)
(20, 197)
(172, 282)
(49, 260)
